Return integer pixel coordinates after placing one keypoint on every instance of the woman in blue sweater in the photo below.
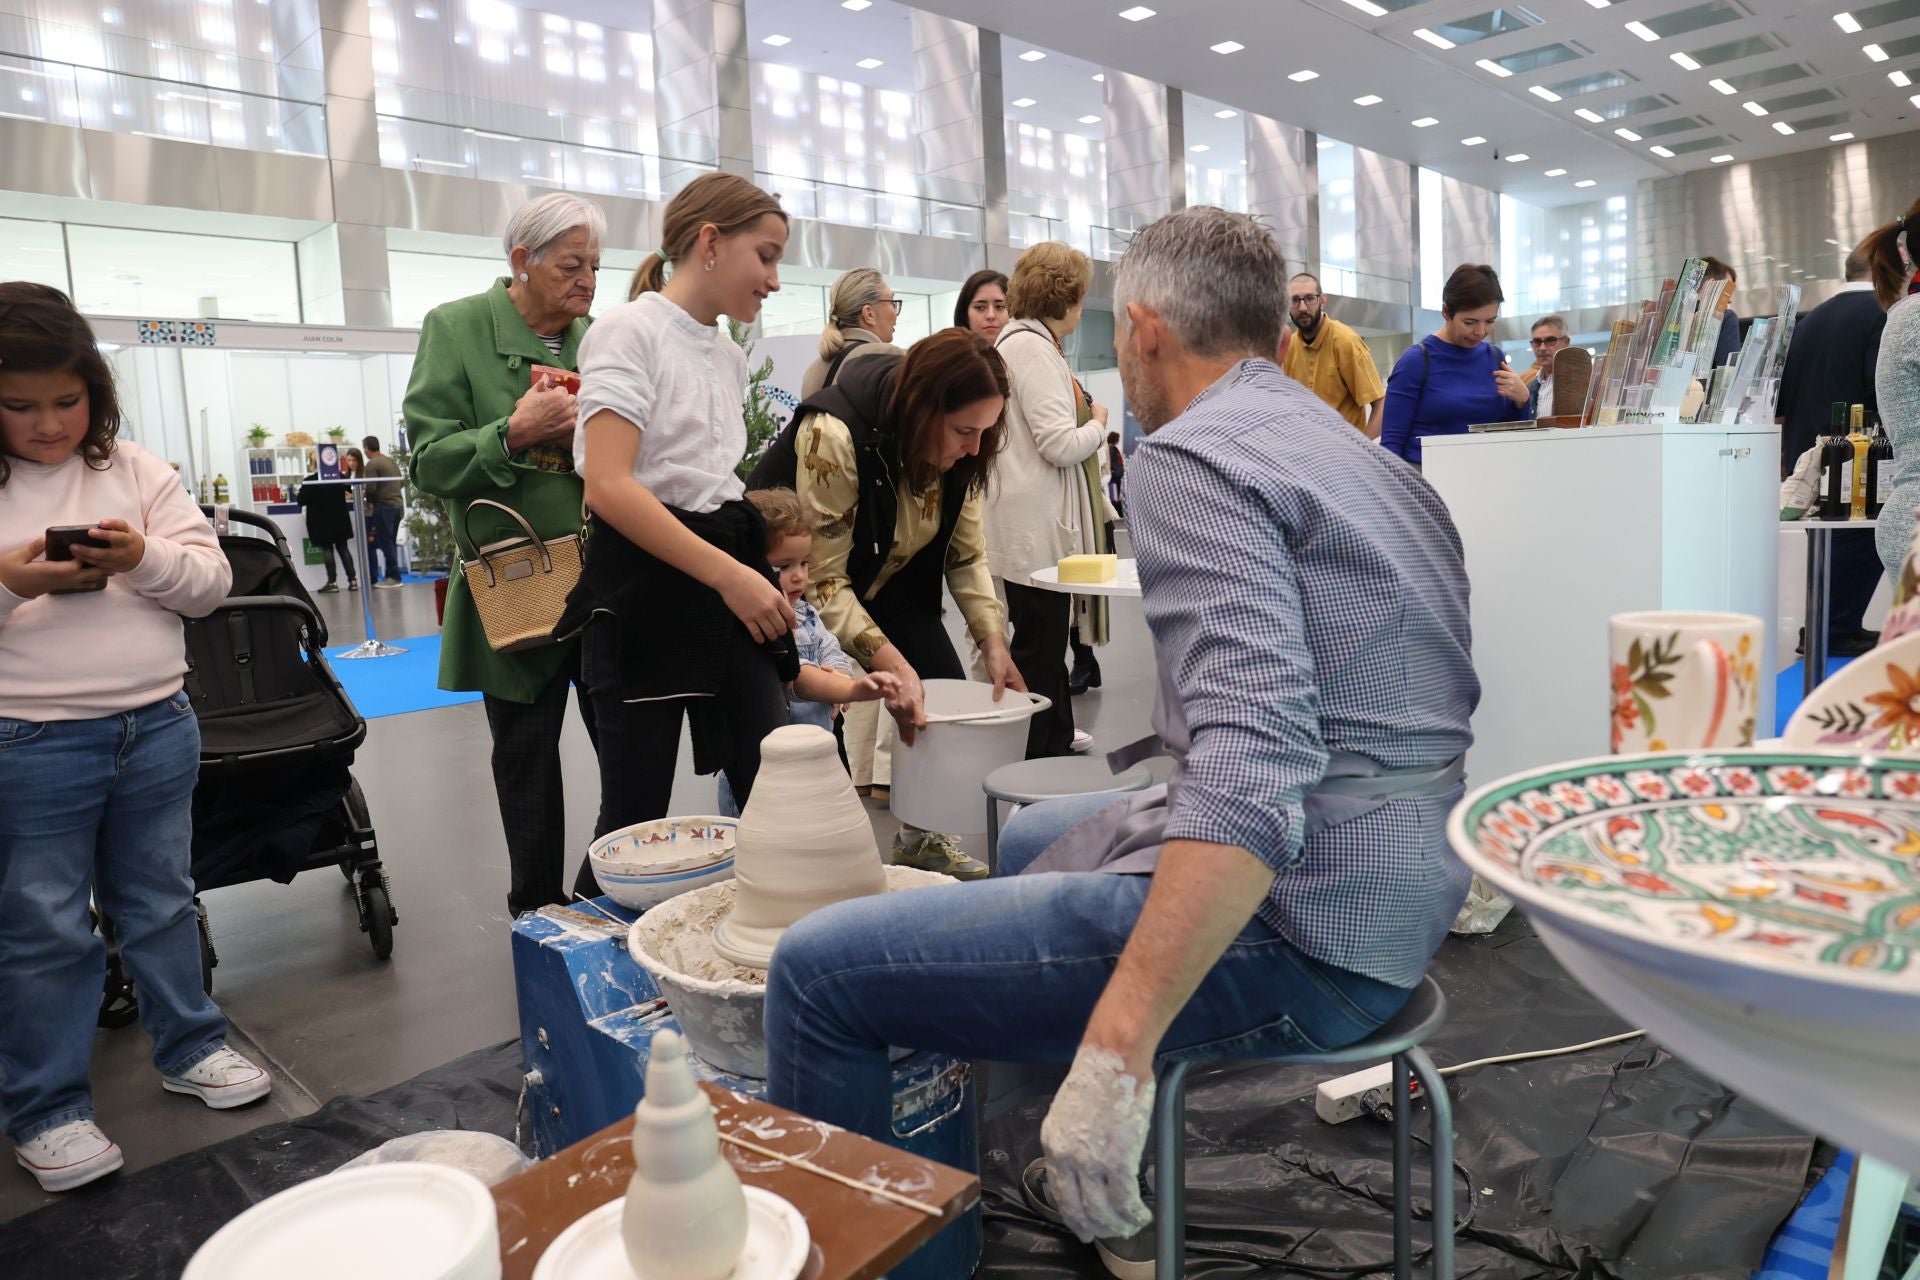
(1455, 377)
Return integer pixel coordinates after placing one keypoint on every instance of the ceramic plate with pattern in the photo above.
(1871, 704)
(1791, 878)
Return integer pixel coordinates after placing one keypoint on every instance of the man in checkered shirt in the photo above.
(1307, 595)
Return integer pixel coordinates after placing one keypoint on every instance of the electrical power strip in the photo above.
(1338, 1101)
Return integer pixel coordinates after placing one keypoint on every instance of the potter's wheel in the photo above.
(592, 1248)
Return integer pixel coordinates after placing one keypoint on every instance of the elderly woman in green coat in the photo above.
(482, 426)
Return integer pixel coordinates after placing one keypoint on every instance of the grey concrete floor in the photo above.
(297, 978)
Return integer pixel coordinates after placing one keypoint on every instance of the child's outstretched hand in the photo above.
(876, 687)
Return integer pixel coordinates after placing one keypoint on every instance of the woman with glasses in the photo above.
(862, 314)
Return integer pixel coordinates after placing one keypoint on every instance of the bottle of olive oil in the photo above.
(1879, 467)
(1862, 444)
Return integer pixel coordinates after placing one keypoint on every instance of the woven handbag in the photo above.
(520, 584)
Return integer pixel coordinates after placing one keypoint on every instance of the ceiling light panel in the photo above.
(868, 64)
(1667, 128)
(1369, 8)
(1781, 126)
(1697, 18)
(777, 40)
(1642, 30)
(1303, 75)
(1541, 91)
(1023, 102)
(856, 5)
(1537, 59)
(1368, 100)
(1556, 173)
(1475, 141)
(1584, 183)
(1847, 22)
(1518, 157)
(1032, 55)
(1089, 119)
(1225, 113)
(1227, 46)
(1493, 68)
(1755, 108)
(1875, 52)
(1628, 134)
(1591, 117)
(1380, 8)
(1722, 86)
(1900, 79)
(1841, 137)
(1733, 50)
(1592, 84)
(1139, 13)
(1722, 159)
(1662, 152)
(1635, 106)
(1432, 38)
(1499, 22)
(1426, 122)
(1754, 81)
(1794, 101)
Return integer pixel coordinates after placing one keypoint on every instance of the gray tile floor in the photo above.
(297, 978)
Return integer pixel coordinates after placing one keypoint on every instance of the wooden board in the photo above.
(856, 1236)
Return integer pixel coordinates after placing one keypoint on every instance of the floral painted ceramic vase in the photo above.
(1684, 680)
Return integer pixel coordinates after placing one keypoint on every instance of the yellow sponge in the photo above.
(1089, 568)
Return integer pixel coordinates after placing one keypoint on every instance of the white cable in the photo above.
(1540, 1053)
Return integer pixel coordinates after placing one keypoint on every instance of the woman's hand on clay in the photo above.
(1512, 385)
(125, 550)
(26, 575)
(759, 605)
(1000, 668)
(907, 704)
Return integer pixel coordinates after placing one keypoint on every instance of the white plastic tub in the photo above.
(938, 781)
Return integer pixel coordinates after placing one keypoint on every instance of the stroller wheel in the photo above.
(377, 916)
(118, 1008)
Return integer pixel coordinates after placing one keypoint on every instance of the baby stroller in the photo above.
(275, 795)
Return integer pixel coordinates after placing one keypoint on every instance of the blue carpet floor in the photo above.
(1788, 691)
(397, 685)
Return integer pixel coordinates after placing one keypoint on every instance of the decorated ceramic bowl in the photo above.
(643, 865)
(1790, 879)
(1871, 704)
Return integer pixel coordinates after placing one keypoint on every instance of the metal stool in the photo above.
(1399, 1038)
(1031, 781)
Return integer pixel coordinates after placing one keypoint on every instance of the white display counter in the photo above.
(1564, 529)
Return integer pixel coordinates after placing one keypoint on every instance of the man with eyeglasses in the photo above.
(1331, 360)
(1549, 336)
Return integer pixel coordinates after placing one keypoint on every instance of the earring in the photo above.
(523, 277)
(709, 264)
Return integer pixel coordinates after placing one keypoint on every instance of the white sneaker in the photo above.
(69, 1156)
(1082, 742)
(222, 1079)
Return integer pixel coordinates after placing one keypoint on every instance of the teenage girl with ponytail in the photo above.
(680, 613)
(1893, 252)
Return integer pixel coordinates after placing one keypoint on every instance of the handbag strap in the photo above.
(480, 554)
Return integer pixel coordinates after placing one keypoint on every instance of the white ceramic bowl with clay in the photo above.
(642, 866)
(720, 1006)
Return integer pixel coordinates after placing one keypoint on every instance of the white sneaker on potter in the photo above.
(1082, 742)
(69, 1156)
(222, 1079)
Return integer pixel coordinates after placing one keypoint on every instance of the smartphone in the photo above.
(63, 538)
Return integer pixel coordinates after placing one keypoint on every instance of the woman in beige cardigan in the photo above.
(863, 313)
(1040, 506)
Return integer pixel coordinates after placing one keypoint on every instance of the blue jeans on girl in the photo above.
(102, 805)
(1010, 969)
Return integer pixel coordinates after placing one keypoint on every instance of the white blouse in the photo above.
(682, 383)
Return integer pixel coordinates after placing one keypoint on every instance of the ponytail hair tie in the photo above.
(663, 255)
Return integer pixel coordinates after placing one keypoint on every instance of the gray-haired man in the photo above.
(1308, 602)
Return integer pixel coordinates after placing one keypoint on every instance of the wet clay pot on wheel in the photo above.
(685, 1215)
(804, 842)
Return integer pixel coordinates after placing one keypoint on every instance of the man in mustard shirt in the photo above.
(1330, 360)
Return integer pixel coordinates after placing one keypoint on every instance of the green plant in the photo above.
(760, 407)
(427, 524)
(336, 434)
(258, 434)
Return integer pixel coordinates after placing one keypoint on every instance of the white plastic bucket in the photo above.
(938, 781)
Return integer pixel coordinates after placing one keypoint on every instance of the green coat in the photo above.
(474, 363)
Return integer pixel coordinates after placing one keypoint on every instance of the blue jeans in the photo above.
(102, 805)
(384, 523)
(1010, 969)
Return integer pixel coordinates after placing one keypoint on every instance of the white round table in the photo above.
(1126, 582)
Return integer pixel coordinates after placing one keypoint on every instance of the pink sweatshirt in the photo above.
(99, 653)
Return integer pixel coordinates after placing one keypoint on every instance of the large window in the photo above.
(1216, 136)
(1565, 258)
(229, 72)
(1056, 112)
(485, 89)
(420, 279)
(33, 251)
(165, 274)
(1339, 229)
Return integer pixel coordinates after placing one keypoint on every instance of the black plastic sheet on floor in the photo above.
(1621, 1161)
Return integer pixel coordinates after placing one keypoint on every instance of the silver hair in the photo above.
(542, 221)
(1216, 278)
(1551, 322)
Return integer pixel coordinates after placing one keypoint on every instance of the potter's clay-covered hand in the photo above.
(1093, 1135)
(685, 1216)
